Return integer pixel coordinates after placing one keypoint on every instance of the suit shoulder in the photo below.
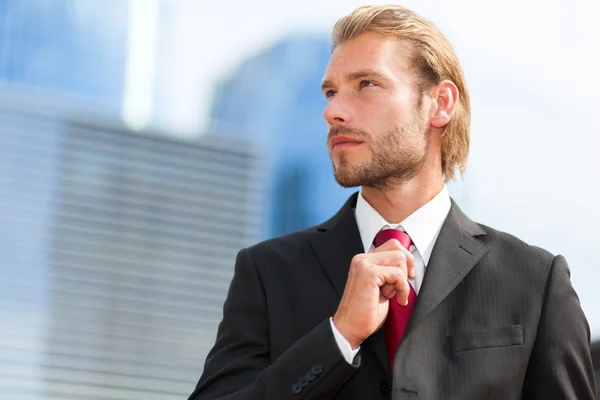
(287, 243)
(511, 246)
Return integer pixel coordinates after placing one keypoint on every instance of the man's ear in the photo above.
(446, 97)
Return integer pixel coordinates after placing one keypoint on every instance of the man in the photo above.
(399, 295)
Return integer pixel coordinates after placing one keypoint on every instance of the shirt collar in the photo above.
(423, 225)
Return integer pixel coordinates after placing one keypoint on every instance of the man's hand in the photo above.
(373, 279)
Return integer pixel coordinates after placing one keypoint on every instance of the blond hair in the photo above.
(434, 60)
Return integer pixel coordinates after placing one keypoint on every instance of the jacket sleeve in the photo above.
(239, 366)
(560, 366)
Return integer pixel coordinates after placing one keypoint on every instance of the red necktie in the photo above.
(398, 315)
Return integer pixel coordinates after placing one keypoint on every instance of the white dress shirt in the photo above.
(423, 226)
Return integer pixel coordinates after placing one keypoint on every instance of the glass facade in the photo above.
(274, 99)
(117, 251)
(74, 48)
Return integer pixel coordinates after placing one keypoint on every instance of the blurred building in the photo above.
(275, 100)
(116, 253)
(70, 48)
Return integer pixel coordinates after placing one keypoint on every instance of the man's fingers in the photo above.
(402, 299)
(395, 277)
(388, 291)
(391, 244)
(397, 258)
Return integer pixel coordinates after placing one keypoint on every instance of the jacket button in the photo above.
(303, 382)
(296, 389)
(317, 369)
(385, 389)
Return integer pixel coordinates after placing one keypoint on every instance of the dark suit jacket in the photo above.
(495, 319)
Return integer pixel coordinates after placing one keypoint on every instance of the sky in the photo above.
(531, 67)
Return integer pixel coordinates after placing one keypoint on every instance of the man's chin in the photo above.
(349, 174)
(353, 178)
(347, 181)
(348, 184)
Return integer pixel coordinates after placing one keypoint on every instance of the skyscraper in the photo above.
(275, 100)
(116, 252)
(71, 48)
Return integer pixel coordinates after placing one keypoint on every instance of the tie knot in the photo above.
(387, 234)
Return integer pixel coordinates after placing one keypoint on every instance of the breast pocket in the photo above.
(486, 338)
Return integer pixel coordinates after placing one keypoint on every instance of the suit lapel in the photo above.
(455, 253)
(337, 242)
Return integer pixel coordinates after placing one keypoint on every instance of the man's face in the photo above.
(378, 135)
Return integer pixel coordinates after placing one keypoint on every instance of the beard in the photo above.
(397, 155)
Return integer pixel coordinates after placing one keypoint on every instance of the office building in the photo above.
(116, 253)
(274, 99)
(66, 49)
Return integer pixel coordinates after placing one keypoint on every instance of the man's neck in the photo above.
(397, 203)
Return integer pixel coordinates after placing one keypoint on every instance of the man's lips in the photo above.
(340, 142)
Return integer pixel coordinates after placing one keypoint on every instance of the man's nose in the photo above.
(337, 112)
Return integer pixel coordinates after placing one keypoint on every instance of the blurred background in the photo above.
(144, 142)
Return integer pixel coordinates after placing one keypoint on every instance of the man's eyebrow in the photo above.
(352, 76)
(363, 74)
(327, 84)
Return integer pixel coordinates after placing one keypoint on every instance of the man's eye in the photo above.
(367, 84)
(330, 93)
